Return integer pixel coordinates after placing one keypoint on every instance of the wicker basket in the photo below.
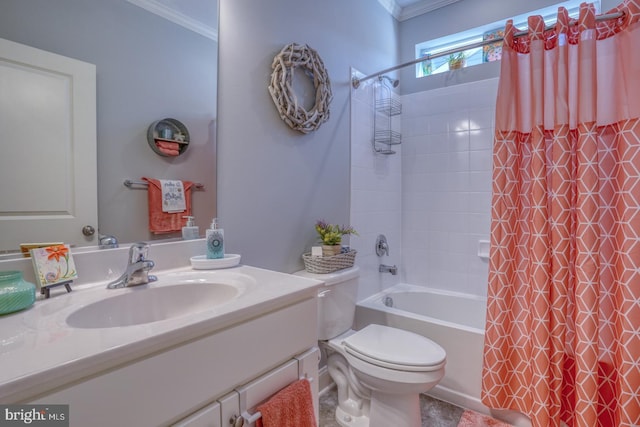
(328, 264)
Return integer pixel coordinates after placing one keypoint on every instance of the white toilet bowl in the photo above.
(380, 373)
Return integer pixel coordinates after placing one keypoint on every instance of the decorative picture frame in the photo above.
(53, 266)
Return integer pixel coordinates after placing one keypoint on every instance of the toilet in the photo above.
(379, 371)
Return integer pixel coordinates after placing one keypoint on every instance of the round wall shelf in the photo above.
(168, 137)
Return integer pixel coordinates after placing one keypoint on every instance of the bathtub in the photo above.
(456, 322)
(453, 320)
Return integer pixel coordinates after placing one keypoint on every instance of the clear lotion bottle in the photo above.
(190, 230)
(215, 241)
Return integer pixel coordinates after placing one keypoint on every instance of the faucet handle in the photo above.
(138, 252)
(382, 247)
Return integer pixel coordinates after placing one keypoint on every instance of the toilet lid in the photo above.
(395, 348)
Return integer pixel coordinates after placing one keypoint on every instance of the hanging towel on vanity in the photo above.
(161, 222)
(290, 407)
(172, 196)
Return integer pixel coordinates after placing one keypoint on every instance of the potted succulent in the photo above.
(331, 237)
(456, 61)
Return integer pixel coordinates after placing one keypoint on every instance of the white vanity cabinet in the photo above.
(209, 416)
(187, 384)
(243, 400)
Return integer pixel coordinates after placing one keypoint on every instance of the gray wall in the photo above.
(273, 182)
(148, 69)
(460, 16)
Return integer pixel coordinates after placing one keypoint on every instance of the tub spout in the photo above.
(388, 269)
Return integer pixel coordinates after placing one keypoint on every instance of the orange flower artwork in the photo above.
(57, 252)
(53, 264)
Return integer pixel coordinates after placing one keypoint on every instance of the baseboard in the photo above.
(459, 399)
(469, 402)
(325, 383)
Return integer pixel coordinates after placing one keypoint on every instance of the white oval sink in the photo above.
(150, 304)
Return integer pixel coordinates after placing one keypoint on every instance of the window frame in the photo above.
(441, 64)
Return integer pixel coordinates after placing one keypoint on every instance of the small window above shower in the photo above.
(449, 52)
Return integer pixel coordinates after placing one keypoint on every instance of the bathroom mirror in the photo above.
(152, 61)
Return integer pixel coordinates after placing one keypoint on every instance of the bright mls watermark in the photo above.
(34, 415)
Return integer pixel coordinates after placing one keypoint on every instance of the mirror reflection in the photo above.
(149, 66)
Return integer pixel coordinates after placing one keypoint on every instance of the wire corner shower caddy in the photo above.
(386, 106)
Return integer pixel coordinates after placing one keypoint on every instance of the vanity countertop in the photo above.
(39, 351)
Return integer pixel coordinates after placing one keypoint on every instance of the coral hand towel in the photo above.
(168, 148)
(290, 407)
(166, 222)
(168, 145)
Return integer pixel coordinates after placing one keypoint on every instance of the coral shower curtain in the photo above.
(563, 316)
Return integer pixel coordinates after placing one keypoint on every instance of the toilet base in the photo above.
(346, 420)
(398, 410)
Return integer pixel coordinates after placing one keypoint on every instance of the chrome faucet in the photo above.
(138, 266)
(388, 269)
(107, 242)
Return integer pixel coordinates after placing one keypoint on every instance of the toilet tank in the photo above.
(336, 301)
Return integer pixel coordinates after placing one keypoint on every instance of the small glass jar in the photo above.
(15, 292)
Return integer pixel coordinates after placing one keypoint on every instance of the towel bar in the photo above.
(130, 184)
(250, 419)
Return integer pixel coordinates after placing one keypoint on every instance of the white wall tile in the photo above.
(480, 160)
(481, 139)
(480, 118)
(376, 194)
(447, 194)
(412, 126)
(458, 141)
(431, 199)
(438, 123)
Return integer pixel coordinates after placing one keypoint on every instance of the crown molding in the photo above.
(392, 7)
(423, 7)
(413, 10)
(176, 17)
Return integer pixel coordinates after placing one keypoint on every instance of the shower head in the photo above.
(394, 82)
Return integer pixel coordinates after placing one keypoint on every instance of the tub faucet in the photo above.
(138, 266)
(388, 269)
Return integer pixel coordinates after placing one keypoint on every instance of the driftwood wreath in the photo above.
(283, 95)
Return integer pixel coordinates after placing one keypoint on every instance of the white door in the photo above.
(48, 147)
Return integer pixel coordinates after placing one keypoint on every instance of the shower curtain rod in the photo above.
(355, 81)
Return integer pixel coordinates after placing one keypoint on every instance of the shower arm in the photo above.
(394, 82)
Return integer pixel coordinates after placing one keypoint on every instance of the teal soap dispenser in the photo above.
(215, 241)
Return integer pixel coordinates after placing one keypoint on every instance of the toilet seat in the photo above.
(396, 349)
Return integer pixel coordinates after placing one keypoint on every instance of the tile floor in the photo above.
(435, 413)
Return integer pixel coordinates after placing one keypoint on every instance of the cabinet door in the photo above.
(209, 416)
(48, 161)
(230, 409)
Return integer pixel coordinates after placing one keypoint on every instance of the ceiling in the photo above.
(201, 16)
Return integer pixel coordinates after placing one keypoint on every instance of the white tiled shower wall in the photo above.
(376, 196)
(432, 199)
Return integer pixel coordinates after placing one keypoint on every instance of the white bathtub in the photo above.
(453, 320)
